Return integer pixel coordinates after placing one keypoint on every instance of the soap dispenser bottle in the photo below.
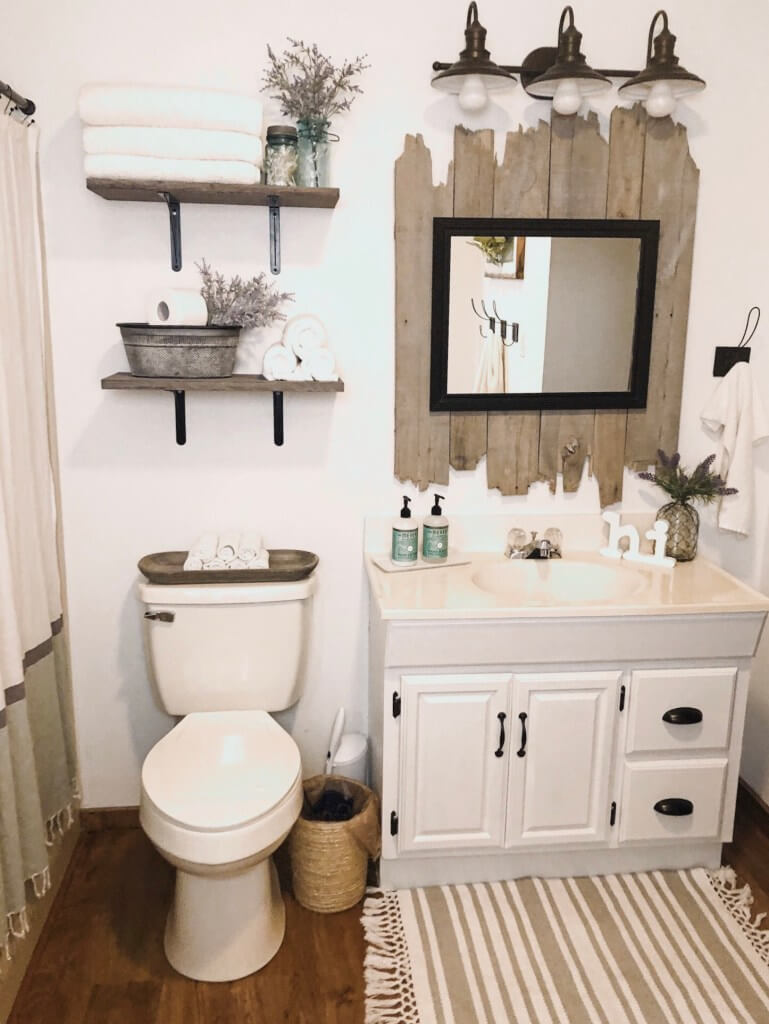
(435, 534)
(405, 543)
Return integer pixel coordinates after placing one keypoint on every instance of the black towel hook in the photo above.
(745, 339)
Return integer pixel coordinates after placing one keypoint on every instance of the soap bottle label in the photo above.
(404, 545)
(435, 542)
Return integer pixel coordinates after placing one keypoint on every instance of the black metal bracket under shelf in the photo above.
(175, 218)
(180, 417)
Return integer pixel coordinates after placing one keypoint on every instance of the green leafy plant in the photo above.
(497, 249)
(308, 85)
(253, 303)
(699, 485)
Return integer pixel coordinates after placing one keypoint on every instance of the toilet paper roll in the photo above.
(181, 307)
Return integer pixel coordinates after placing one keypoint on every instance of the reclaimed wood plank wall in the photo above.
(564, 169)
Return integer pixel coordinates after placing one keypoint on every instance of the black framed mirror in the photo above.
(541, 314)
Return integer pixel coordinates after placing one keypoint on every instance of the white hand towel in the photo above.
(321, 364)
(735, 408)
(260, 561)
(214, 564)
(193, 563)
(249, 545)
(301, 373)
(169, 107)
(304, 333)
(227, 548)
(151, 168)
(173, 143)
(204, 547)
(279, 363)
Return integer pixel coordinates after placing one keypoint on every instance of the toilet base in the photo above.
(223, 927)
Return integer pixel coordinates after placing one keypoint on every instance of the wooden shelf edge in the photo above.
(203, 192)
(237, 382)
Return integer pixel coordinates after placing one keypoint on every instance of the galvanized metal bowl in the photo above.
(168, 351)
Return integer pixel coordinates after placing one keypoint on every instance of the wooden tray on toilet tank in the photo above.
(286, 565)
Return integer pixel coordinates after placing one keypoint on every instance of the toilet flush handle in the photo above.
(160, 616)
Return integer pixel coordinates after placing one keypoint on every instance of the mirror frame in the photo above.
(446, 228)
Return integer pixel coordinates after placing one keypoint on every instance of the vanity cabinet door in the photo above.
(452, 783)
(559, 777)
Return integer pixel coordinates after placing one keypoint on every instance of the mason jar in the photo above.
(314, 138)
(280, 155)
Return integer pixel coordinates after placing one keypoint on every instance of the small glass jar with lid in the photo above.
(280, 155)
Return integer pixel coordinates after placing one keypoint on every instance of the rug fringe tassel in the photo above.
(386, 969)
(739, 902)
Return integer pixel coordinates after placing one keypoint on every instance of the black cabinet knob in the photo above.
(682, 716)
(674, 806)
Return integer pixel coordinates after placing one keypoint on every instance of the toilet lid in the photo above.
(221, 769)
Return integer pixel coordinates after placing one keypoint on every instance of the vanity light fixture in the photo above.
(663, 80)
(474, 74)
(562, 73)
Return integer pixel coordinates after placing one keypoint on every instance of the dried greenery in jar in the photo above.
(307, 84)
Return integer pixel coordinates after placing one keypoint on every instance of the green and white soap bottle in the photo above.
(435, 534)
(405, 539)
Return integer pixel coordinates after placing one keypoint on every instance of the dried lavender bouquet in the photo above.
(252, 303)
(308, 85)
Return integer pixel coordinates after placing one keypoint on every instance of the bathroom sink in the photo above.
(531, 581)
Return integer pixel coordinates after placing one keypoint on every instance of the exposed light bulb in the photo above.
(473, 95)
(567, 97)
(660, 102)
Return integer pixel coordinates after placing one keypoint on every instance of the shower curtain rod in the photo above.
(20, 102)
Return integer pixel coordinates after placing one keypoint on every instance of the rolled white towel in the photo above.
(301, 373)
(279, 363)
(192, 563)
(228, 547)
(261, 561)
(214, 564)
(304, 333)
(204, 547)
(321, 364)
(151, 168)
(249, 545)
(169, 107)
(173, 143)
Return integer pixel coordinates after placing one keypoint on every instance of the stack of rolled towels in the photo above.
(302, 353)
(161, 133)
(229, 550)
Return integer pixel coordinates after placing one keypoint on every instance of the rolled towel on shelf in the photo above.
(228, 547)
(205, 547)
(279, 363)
(169, 107)
(304, 333)
(150, 168)
(260, 561)
(301, 373)
(193, 563)
(182, 307)
(215, 564)
(173, 143)
(321, 364)
(249, 545)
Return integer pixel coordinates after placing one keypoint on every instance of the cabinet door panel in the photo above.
(700, 783)
(709, 692)
(452, 784)
(559, 787)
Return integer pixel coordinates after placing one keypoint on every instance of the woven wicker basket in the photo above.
(328, 861)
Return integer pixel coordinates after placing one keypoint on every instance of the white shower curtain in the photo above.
(37, 758)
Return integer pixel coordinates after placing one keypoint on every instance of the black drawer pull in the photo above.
(501, 716)
(674, 806)
(523, 716)
(682, 716)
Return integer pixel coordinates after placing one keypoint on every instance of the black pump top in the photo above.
(406, 511)
(436, 510)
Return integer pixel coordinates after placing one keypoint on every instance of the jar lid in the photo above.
(281, 131)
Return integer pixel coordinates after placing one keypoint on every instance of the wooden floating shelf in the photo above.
(231, 195)
(238, 382)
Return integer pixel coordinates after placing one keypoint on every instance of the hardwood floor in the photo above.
(100, 959)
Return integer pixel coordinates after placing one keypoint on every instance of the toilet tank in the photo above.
(227, 647)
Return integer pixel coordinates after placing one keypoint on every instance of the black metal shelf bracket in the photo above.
(274, 204)
(175, 218)
(180, 413)
(277, 417)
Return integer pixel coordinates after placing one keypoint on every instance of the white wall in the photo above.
(127, 488)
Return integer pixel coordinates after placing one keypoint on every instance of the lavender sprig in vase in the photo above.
(684, 488)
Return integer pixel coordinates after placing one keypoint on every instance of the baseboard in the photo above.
(13, 970)
(97, 819)
(751, 803)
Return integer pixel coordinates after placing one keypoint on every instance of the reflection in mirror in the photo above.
(547, 314)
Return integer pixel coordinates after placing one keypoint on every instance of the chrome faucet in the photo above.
(518, 546)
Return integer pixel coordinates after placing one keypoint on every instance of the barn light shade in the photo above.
(473, 75)
(570, 78)
(663, 81)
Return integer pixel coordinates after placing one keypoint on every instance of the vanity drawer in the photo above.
(680, 709)
(672, 800)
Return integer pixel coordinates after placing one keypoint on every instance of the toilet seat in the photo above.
(221, 786)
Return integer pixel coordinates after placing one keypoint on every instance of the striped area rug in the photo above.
(668, 947)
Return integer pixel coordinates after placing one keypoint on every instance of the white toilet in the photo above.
(221, 791)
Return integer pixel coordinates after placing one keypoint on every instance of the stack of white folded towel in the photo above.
(157, 133)
(230, 550)
(302, 352)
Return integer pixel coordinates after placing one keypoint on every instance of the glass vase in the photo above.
(313, 140)
(683, 528)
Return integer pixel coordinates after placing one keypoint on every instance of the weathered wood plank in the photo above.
(579, 171)
(670, 185)
(421, 437)
(473, 197)
(627, 139)
(520, 190)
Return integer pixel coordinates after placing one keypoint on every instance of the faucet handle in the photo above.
(516, 541)
(555, 536)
